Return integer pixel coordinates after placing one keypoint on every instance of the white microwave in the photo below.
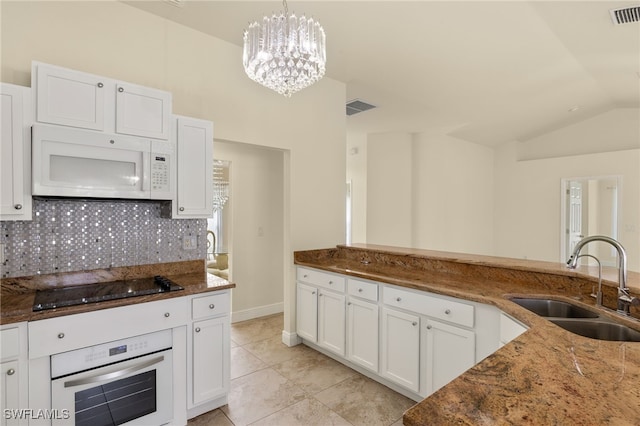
(70, 162)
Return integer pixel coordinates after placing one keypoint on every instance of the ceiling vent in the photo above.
(625, 15)
(355, 106)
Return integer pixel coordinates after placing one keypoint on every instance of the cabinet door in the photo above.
(401, 348)
(142, 111)
(449, 352)
(15, 154)
(195, 168)
(331, 321)
(9, 398)
(362, 333)
(70, 98)
(211, 354)
(307, 312)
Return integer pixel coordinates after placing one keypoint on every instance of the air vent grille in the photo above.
(355, 106)
(625, 15)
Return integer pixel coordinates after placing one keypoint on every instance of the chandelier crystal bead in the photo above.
(285, 53)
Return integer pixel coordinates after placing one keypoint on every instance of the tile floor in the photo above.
(272, 384)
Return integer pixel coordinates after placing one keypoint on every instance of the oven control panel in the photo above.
(107, 353)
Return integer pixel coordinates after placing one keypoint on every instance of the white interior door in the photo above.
(574, 218)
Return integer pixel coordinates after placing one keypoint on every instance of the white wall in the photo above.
(527, 212)
(206, 78)
(256, 213)
(357, 175)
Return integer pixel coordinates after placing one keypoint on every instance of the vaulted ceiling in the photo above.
(483, 71)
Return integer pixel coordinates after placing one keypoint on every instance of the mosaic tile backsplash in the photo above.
(77, 235)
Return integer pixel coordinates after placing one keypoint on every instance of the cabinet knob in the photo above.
(100, 85)
(305, 276)
(167, 314)
(428, 327)
(313, 292)
(212, 306)
(11, 372)
(181, 209)
(398, 299)
(330, 282)
(197, 329)
(18, 207)
(414, 323)
(60, 335)
(359, 290)
(320, 294)
(349, 303)
(448, 311)
(120, 89)
(111, 141)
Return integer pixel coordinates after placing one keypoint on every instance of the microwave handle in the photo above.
(146, 171)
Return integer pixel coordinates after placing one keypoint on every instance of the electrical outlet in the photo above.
(1, 253)
(189, 242)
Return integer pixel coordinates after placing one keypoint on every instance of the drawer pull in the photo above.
(448, 311)
(197, 329)
(349, 303)
(11, 372)
(212, 306)
(313, 292)
(359, 290)
(330, 282)
(414, 323)
(398, 299)
(305, 276)
(167, 314)
(428, 327)
(60, 335)
(100, 85)
(18, 207)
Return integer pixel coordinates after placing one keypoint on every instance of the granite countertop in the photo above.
(17, 294)
(545, 376)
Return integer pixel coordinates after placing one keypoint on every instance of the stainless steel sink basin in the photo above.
(599, 329)
(554, 308)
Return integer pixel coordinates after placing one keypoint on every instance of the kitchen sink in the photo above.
(599, 329)
(554, 308)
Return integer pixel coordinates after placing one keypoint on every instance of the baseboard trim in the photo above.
(257, 312)
(290, 339)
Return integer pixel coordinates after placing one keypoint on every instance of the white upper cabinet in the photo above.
(142, 111)
(77, 99)
(15, 149)
(195, 168)
(69, 98)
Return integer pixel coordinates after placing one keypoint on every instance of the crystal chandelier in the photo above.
(220, 188)
(285, 53)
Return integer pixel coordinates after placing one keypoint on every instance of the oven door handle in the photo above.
(114, 374)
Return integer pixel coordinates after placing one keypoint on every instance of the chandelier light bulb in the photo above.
(285, 53)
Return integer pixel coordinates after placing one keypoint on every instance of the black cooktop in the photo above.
(99, 292)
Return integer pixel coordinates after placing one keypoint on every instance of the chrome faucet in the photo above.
(624, 298)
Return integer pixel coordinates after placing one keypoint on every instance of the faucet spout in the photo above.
(623, 292)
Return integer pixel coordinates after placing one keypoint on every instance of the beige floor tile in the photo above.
(308, 412)
(314, 371)
(243, 362)
(361, 401)
(260, 394)
(212, 418)
(257, 329)
(272, 351)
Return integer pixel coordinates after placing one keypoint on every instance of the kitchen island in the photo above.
(546, 375)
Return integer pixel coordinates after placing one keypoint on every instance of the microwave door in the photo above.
(79, 163)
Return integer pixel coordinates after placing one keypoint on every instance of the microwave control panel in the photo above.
(160, 172)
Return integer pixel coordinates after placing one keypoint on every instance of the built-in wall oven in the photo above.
(127, 381)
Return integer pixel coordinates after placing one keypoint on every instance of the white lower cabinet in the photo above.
(331, 321)
(14, 376)
(400, 348)
(447, 352)
(307, 312)
(362, 333)
(210, 359)
(412, 340)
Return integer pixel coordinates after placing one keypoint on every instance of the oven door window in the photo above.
(117, 402)
(133, 392)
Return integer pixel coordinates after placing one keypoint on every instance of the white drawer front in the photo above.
(433, 306)
(322, 279)
(209, 306)
(69, 332)
(363, 289)
(9, 343)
